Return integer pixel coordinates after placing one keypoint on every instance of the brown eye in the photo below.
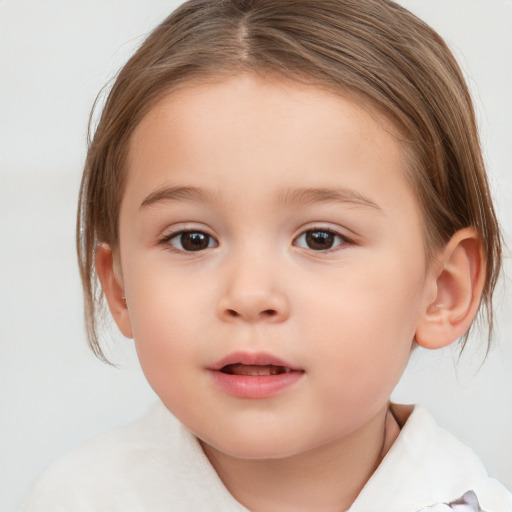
(192, 241)
(319, 240)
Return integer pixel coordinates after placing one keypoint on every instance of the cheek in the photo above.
(170, 325)
(363, 329)
(163, 298)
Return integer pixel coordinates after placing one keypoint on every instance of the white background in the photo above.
(54, 57)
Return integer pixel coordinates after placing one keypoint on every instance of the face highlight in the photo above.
(273, 263)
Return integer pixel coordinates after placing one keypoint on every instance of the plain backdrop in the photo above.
(54, 58)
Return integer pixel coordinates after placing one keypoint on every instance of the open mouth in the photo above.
(255, 376)
(254, 369)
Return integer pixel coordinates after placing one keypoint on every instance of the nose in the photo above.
(253, 294)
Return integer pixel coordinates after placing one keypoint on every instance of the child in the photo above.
(281, 200)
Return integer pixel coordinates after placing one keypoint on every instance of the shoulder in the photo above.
(146, 465)
(450, 462)
(102, 468)
(428, 465)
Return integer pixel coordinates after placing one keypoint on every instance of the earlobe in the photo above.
(458, 277)
(113, 288)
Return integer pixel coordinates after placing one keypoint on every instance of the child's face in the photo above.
(303, 248)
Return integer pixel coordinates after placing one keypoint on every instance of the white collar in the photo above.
(426, 465)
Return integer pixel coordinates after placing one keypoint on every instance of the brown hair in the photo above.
(373, 49)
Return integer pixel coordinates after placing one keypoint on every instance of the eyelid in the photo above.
(185, 227)
(165, 239)
(328, 229)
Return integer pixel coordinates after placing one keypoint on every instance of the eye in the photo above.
(191, 241)
(320, 239)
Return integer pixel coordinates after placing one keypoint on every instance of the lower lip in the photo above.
(255, 386)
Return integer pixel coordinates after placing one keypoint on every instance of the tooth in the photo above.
(255, 370)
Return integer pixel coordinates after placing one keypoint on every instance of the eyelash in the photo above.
(342, 240)
(167, 240)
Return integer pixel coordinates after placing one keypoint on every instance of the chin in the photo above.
(262, 445)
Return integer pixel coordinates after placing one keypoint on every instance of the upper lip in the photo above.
(252, 358)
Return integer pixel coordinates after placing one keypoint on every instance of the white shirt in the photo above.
(155, 464)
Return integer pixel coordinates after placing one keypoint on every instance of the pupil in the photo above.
(320, 240)
(194, 241)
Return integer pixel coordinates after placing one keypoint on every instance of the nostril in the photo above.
(232, 312)
(269, 312)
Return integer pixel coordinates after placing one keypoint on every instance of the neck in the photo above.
(327, 478)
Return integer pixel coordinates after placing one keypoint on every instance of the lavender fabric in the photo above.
(467, 503)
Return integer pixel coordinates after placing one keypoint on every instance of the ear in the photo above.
(113, 288)
(458, 277)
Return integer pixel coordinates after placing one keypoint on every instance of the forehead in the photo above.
(263, 135)
(268, 100)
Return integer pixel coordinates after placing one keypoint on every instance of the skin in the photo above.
(345, 316)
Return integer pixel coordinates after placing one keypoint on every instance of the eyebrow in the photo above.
(290, 196)
(177, 194)
(302, 196)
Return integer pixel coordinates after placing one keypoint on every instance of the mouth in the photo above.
(254, 369)
(254, 375)
(253, 364)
